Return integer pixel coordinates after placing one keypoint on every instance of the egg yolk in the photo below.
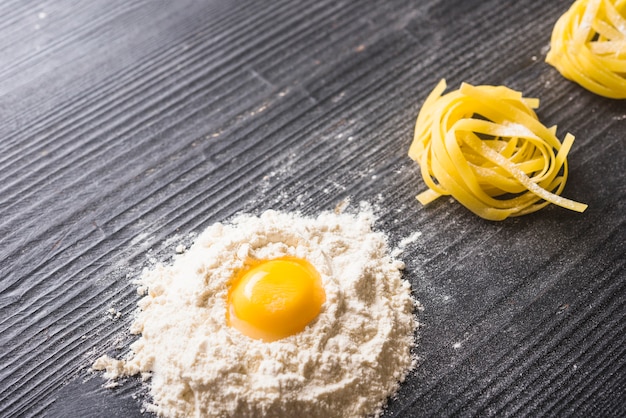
(274, 299)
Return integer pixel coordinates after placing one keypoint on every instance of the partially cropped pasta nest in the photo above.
(588, 46)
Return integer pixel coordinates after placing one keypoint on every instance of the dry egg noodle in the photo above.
(485, 146)
(322, 322)
(588, 46)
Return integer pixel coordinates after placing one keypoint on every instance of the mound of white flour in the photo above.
(344, 364)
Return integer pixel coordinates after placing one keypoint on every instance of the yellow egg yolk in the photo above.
(274, 299)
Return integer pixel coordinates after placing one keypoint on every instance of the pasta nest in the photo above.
(485, 146)
(588, 46)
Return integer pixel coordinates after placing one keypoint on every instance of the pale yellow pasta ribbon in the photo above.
(485, 147)
(588, 46)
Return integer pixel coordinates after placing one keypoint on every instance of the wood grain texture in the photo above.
(128, 125)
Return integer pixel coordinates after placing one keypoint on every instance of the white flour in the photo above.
(344, 364)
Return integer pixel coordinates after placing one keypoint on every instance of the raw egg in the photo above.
(273, 299)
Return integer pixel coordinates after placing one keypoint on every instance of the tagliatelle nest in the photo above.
(588, 46)
(485, 147)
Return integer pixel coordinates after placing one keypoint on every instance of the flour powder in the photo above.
(346, 363)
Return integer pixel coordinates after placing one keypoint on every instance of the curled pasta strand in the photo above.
(485, 147)
(588, 46)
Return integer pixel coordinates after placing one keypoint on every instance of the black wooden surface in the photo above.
(127, 125)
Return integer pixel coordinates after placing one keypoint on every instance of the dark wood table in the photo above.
(126, 125)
